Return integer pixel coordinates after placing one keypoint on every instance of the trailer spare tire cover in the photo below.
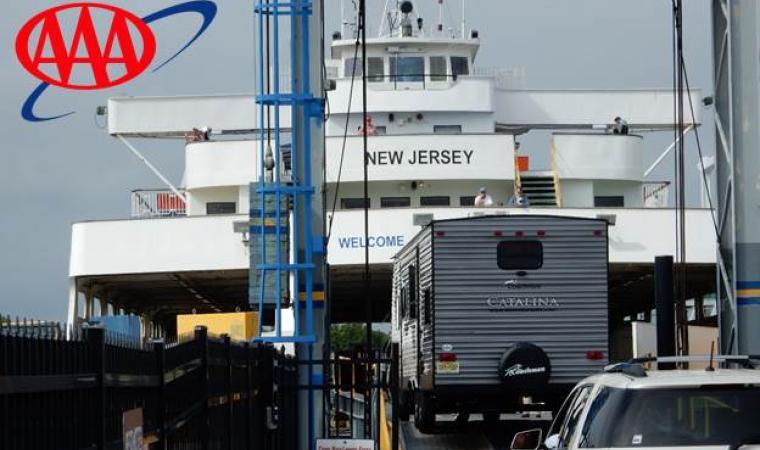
(524, 368)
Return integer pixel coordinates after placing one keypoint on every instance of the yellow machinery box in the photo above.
(240, 326)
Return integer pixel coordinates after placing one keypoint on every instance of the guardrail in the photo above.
(655, 194)
(147, 203)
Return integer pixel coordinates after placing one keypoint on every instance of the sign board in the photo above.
(132, 426)
(345, 444)
(428, 157)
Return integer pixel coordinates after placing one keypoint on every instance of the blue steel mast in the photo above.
(286, 221)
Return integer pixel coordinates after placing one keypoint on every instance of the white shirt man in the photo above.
(483, 200)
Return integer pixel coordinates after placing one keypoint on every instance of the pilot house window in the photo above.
(349, 69)
(459, 66)
(520, 255)
(437, 68)
(375, 69)
(407, 68)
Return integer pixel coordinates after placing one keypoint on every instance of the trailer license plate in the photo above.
(447, 367)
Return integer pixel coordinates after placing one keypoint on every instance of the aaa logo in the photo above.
(85, 46)
(103, 63)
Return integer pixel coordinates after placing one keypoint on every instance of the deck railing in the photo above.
(655, 194)
(148, 203)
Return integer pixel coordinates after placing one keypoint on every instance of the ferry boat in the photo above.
(442, 128)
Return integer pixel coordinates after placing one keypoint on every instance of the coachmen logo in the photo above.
(518, 370)
(87, 46)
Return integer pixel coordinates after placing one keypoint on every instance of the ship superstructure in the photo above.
(440, 128)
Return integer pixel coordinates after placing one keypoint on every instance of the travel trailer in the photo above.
(498, 314)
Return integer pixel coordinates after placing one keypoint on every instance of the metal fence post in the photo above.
(228, 389)
(395, 392)
(248, 397)
(96, 344)
(201, 337)
(158, 348)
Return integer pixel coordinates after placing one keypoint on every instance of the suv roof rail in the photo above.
(631, 369)
(745, 360)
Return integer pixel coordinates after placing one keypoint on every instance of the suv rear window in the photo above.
(520, 255)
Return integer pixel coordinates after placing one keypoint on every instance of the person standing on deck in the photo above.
(483, 200)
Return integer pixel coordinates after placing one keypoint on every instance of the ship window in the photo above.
(395, 202)
(459, 66)
(375, 69)
(520, 255)
(221, 208)
(439, 200)
(354, 203)
(407, 68)
(609, 201)
(380, 130)
(447, 129)
(437, 68)
(349, 67)
(467, 200)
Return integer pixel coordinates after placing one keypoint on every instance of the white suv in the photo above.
(628, 407)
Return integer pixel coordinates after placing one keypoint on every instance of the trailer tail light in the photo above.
(598, 232)
(541, 233)
(497, 233)
(595, 355)
(447, 357)
(440, 233)
(519, 234)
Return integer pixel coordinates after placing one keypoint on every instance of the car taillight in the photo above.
(447, 357)
(595, 355)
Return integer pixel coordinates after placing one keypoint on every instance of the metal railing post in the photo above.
(159, 349)
(228, 389)
(95, 338)
(201, 337)
(395, 392)
(248, 397)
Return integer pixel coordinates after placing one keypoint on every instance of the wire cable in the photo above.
(345, 139)
(705, 181)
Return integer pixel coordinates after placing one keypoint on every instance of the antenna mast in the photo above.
(440, 16)
(464, 20)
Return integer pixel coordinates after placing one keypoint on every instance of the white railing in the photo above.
(503, 78)
(148, 203)
(655, 194)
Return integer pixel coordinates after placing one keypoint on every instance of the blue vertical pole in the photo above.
(261, 180)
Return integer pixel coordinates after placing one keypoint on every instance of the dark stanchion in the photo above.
(158, 349)
(228, 389)
(96, 343)
(201, 338)
(665, 306)
(395, 392)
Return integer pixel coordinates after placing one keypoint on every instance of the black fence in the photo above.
(62, 389)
